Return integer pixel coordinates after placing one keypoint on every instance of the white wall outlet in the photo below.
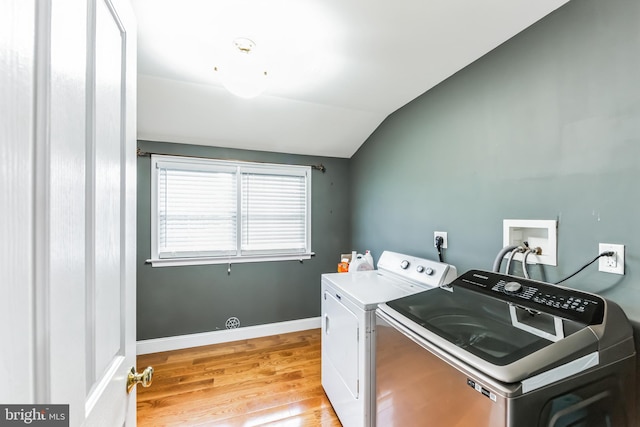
(442, 234)
(611, 264)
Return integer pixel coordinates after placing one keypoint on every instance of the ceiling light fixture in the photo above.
(244, 75)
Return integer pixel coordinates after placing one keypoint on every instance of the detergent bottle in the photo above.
(369, 258)
(359, 264)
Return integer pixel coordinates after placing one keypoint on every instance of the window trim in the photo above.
(239, 167)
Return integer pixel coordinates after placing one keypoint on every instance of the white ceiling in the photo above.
(337, 68)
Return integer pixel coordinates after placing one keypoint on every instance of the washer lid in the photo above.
(492, 330)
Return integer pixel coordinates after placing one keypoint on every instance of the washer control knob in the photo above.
(429, 271)
(419, 269)
(512, 287)
(404, 264)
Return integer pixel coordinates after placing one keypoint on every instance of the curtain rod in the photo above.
(141, 153)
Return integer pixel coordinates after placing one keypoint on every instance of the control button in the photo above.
(404, 264)
(419, 269)
(512, 287)
(430, 271)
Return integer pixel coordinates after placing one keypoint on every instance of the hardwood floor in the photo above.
(271, 381)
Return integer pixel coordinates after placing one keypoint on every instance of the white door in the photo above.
(67, 206)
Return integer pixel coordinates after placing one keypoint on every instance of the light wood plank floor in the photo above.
(271, 381)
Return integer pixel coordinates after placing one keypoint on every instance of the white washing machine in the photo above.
(349, 301)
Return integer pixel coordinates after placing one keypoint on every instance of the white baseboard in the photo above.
(227, 335)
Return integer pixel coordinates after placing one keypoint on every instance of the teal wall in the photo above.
(546, 126)
(184, 300)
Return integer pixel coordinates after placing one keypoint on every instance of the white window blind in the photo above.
(211, 211)
(273, 213)
(197, 213)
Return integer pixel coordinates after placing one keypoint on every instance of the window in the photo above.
(213, 211)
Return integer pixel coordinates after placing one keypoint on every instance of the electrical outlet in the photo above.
(611, 264)
(442, 234)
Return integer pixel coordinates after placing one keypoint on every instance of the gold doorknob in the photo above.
(145, 378)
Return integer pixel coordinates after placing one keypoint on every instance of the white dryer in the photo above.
(349, 301)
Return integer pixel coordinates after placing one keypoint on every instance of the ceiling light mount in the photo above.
(244, 44)
(243, 72)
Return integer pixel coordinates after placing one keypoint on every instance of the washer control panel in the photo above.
(544, 297)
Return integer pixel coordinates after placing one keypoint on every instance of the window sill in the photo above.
(177, 262)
